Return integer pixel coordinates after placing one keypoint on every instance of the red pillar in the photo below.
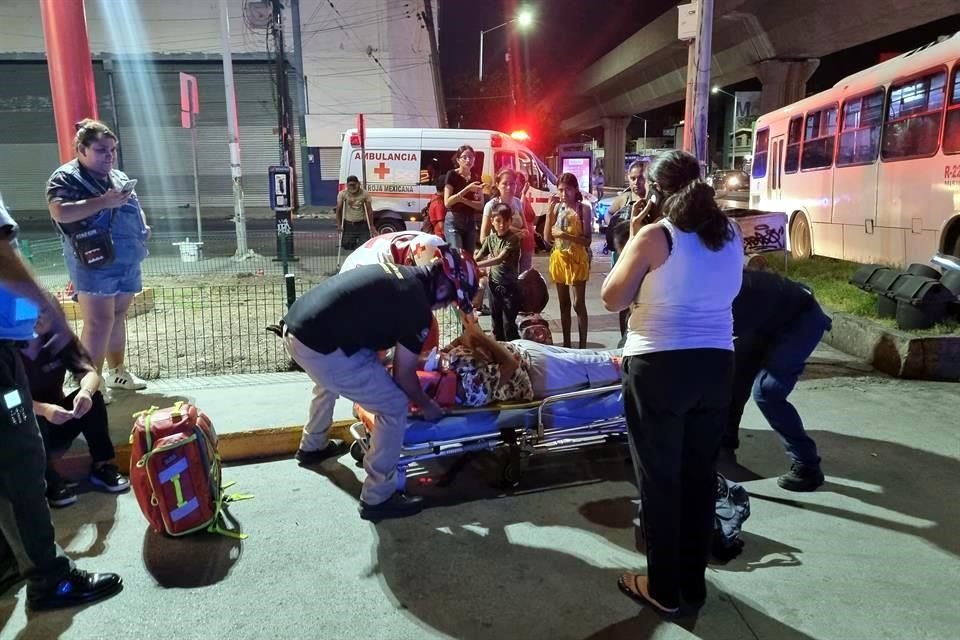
(70, 67)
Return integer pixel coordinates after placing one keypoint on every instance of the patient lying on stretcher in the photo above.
(491, 372)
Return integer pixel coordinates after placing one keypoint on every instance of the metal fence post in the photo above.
(290, 280)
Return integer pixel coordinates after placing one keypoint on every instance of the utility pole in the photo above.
(300, 91)
(435, 63)
(283, 218)
(698, 84)
(233, 135)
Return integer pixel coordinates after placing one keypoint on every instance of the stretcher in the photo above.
(564, 420)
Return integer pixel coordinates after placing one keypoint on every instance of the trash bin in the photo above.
(189, 251)
(921, 302)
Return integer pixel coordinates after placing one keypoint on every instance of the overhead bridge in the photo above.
(778, 41)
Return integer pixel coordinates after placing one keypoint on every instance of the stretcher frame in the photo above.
(521, 442)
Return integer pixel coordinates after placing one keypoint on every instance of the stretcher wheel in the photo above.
(510, 474)
(356, 451)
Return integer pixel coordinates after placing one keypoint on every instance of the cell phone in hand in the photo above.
(128, 186)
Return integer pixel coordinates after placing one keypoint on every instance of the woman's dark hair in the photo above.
(568, 179)
(90, 130)
(689, 201)
(461, 150)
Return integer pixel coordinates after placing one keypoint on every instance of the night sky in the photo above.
(569, 35)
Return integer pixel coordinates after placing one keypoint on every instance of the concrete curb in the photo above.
(237, 446)
(895, 352)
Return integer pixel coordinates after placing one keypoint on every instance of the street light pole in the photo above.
(524, 18)
(644, 130)
(733, 124)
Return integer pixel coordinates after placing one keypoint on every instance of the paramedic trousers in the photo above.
(27, 542)
(361, 378)
(675, 403)
(768, 369)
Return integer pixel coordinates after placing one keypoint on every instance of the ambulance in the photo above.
(404, 165)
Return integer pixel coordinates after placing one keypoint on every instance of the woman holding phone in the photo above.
(463, 197)
(679, 272)
(104, 234)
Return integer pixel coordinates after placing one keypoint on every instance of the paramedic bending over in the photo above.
(463, 197)
(680, 274)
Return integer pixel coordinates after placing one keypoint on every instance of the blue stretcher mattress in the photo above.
(570, 413)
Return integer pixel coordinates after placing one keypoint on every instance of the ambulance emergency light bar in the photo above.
(496, 140)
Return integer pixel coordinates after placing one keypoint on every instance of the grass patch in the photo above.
(829, 280)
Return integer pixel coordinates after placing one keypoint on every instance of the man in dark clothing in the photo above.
(28, 548)
(63, 417)
(777, 324)
(334, 332)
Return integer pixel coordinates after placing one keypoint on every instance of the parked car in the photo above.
(729, 180)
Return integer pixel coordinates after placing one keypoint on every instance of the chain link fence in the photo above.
(206, 314)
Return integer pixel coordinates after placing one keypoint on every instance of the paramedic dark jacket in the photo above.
(767, 304)
(371, 307)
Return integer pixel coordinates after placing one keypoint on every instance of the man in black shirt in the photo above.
(28, 547)
(777, 324)
(334, 332)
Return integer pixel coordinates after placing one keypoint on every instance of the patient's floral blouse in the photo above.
(478, 381)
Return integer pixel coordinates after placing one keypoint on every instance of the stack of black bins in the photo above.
(917, 297)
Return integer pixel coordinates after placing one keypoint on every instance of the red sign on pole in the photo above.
(361, 129)
(189, 100)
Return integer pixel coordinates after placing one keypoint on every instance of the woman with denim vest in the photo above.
(104, 235)
(679, 272)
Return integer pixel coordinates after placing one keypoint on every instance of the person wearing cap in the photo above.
(28, 545)
(334, 332)
(354, 215)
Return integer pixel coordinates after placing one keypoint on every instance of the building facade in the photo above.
(370, 56)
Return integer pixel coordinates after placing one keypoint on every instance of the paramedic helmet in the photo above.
(462, 274)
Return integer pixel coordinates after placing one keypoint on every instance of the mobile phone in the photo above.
(128, 185)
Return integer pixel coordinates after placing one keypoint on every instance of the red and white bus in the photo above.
(869, 170)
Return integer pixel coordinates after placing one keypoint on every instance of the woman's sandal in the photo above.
(636, 587)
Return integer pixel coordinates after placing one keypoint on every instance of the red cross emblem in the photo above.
(382, 171)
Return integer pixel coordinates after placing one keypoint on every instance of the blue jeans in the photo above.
(460, 231)
(781, 362)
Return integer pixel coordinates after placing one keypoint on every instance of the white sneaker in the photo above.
(121, 378)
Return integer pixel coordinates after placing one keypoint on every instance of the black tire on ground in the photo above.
(390, 225)
(356, 451)
(801, 245)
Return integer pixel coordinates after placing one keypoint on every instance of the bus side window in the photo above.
(760, 153)
(914, 111)
(951, 134)
(860, 129)
(819, 137)
(794, 130)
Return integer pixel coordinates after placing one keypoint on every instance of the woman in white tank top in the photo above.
(679, 275)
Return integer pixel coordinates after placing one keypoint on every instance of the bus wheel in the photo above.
(801, 246)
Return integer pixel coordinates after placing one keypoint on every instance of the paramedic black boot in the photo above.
(399, 505)
(76, 588)
(802, 477)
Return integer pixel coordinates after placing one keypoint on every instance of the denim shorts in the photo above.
(118, 277)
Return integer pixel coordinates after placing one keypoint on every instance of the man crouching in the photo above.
(334, 332)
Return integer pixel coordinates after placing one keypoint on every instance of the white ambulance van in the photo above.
(404, 165)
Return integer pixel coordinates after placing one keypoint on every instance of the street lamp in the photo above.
(733, 123)
(524, 19)
(644, 131)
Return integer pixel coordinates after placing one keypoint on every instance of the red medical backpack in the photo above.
(175, 471)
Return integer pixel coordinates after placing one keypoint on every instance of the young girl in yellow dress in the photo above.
(569, 226)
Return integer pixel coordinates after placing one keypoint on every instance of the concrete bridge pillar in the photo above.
(614, 149)
(784, 81)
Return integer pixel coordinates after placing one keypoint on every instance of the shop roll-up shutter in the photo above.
(158, 152)
(329, 158)
(28, 146)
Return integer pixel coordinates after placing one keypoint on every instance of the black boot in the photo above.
(801, 477)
